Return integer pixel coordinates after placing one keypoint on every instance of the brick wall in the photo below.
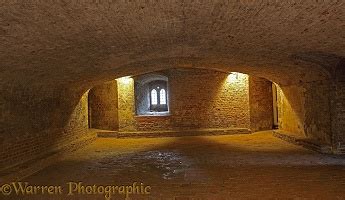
(305, 109)
(291, 109)
(338, 122)
(126, 104)
(261, 104)
(60, 119)
(149, 123)
(200, 99)
(197, 99)
(103, 106)
(338, 105)
(207, 99)
(317, 106)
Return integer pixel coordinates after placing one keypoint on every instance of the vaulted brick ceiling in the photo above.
(67, 43)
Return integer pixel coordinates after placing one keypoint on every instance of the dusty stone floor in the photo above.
(256, 166)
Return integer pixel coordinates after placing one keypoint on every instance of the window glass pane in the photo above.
(153, 97)
(162, 97)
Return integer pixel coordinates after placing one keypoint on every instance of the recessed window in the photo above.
(151, 94)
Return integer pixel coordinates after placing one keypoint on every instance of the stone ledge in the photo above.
(172, 133)
(153, 115)
(30, 167)
(304, 142)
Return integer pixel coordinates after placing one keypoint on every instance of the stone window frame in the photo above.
(142, 91)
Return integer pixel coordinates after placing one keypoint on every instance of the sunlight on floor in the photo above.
(205, 167)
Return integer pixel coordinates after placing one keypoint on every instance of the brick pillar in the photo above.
(126, 108)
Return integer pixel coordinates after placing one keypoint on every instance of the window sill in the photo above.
(154, 114)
